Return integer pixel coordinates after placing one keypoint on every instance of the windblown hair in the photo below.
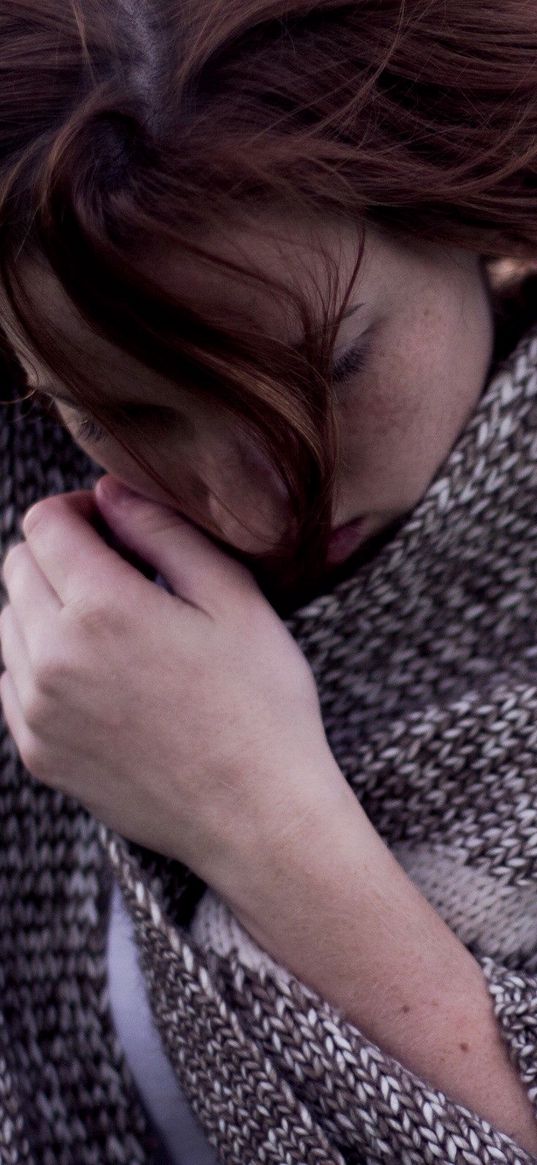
(131, 128)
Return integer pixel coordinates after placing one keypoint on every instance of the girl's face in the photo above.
(422, 333)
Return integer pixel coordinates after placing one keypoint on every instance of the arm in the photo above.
(284, 840)
(342, 915)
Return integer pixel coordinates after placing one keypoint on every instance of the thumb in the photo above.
(195, 569)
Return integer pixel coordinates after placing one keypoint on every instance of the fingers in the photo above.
(18, 672)
(196, 569)
(27, 623)
(10, 706)
(34, 601)
(75, 560)
(15, 658)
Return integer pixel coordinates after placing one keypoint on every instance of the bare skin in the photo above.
(426, 318)
(425, 328)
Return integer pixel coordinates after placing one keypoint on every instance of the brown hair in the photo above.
(128, 127)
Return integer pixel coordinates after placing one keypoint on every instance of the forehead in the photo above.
(295, 252)
(303, 254)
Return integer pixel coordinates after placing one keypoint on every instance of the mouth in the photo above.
(344, 540)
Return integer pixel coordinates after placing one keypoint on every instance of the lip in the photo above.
(345, 539)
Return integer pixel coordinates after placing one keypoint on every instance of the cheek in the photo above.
(385, 408)
(393, 435)
(218, 486)
(242, 478)
(413, 380)
(255, 466)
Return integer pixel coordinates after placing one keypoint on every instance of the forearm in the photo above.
(341, 914)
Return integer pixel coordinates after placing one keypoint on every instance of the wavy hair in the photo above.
(131, 127)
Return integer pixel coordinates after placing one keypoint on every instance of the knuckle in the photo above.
(36, 709)
(52, 672)
(87, 613)
(96, 615)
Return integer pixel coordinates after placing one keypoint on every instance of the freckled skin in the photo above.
(426, 318)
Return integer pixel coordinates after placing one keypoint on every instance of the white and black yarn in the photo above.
(426, 664)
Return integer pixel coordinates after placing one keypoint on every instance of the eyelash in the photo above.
(353, 361)
(86, 429)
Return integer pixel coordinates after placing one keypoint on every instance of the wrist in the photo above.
(294, 876)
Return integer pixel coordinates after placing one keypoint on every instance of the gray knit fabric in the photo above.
(425, 660)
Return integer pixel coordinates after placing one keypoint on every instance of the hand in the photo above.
(189, 722)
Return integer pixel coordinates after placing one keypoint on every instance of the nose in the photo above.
(249, 504)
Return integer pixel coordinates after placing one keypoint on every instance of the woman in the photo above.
(274, 709)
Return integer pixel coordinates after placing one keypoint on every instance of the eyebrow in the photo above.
(50, 391)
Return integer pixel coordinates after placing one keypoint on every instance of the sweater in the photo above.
(183, 1142)
(424, 658)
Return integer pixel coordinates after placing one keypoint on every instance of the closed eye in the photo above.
(87, 428)
(142, 418)
(351, 362)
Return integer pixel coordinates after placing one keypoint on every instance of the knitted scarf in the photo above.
(425, 660)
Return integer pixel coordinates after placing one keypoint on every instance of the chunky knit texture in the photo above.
(425, 660)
